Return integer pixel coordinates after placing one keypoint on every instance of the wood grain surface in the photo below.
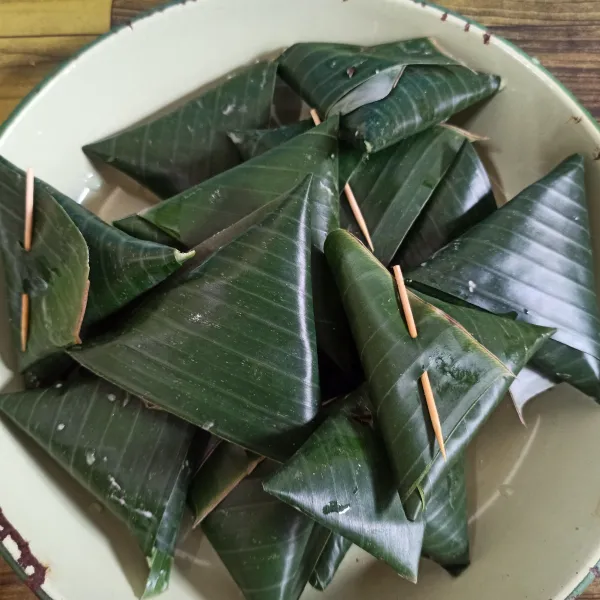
(36, 35)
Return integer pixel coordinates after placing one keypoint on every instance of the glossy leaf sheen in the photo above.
(176, 151)
(269, 548)
(334, 553)
(425, 96)
(467, 379)
(54, 273)
(254, 142)
(463, 198)
(446, 538)
(203, 211)
(131, 458)
(514, 344)
(393, 186)
(232, 347)
(226, 466)
(121, 267)
(339, 78)
(342, 479)
(533, 256)
(529, 384)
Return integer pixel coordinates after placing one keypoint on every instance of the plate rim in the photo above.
(61, 69)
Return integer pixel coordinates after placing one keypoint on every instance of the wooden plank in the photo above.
(11, 587)
(24, 62)
(54, 17)
(125, 10)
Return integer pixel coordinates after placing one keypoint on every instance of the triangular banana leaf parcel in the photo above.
(269, 548)
(342, 479)
(386, 93)
(446, 539)
(468, 379)
(339, 78)
(231, 346)
(203, 211)
(54, 273)
(331, 558)
(534, 257)
(132, 458)
(176, 151)
(121, 267)
(394, 186)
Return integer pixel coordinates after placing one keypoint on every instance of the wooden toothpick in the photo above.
(27, 237)
(350, 196)
(433, 412)
(412, 330)
(408, 315)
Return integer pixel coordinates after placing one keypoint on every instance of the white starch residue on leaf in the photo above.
(60, 426)
(58, 386)
(472, 286)
(236, 139)
(144, 513)
(229, 109)
(126, 400)
(90, 457)
(326, 188)
(111, 397)
(208, 426)
(344, 511)
(113, 483)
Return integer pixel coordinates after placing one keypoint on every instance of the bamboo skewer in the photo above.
(433, 412)
(408, 315)
(412, 330)
(27, 237)
(350, 196)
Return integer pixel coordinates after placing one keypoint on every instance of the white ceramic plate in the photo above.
(534, 493)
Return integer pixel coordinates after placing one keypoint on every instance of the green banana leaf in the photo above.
(339, 78)
(222, 471)
(394, 186)
(514, 344)
(446, 539)
(424, 97)
(463, 198)
(131, 458)
(142, 230)
(231, 348)
(121, 267)
(342, 479)
(467, 378)
(54, 273)
(176, 151)
(333, 331)
(254, 142)
(269, 548)
(533, 256)
(201, 212)
(334, 553)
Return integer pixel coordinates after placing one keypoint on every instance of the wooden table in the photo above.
(36, 35)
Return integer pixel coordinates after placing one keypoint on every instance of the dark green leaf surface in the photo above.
(339, 78)
(136, 227)
(269, 548)
(467, 378)
(335, 550)
(342, 479)
(253, 143)
(446, 538)
(230, 348)
(463, 198)
(54, 273)
(176, 151)
(121, 267)
(424, 97)
(533, 256)
(393, 186)
(226, 466)
(214, 205)
(131, 458)
(514, 344)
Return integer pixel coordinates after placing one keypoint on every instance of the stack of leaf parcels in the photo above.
(244, 313)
